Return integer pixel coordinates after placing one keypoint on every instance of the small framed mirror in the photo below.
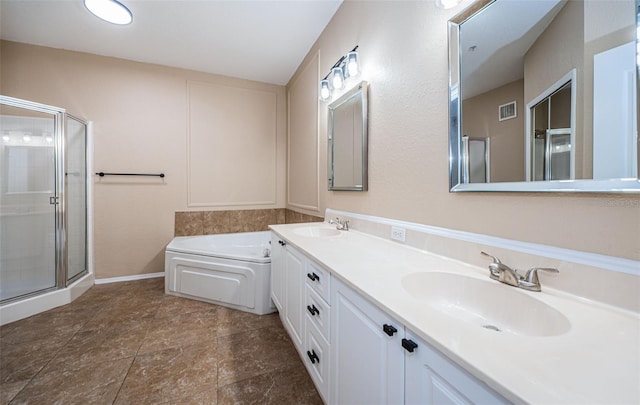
(347, 141)
(552, 86)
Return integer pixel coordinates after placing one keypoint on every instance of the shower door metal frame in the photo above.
(67, 280)
(61, 249)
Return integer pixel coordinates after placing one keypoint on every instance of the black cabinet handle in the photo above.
(313, 276)
(389, 329)
(313, 357)
(313, 310)
(409, 345)
(282, 243)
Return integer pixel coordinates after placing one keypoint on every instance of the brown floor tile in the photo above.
(231, 321)
(174, 306)
(9, 390)
(54, 323)
(249, 354)
(96, 383)
(23, 361)
(171, 374)
(290, 386)
(100, 345)
(131, 343)
(180, 330)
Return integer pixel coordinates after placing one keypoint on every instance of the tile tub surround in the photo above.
(191, 223)
(125, 343)
(524, 368)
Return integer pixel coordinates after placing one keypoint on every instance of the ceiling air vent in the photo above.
(507, 111)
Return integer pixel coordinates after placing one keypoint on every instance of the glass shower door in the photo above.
(27, 201)
(76, 196)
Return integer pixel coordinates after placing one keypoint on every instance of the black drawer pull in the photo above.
(313, 276)
(409, 345)
(313, 357)
(389, 329)
(313, 310)
(282, 243)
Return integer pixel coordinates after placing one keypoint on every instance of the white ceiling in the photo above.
(263, 40)
(501, 35)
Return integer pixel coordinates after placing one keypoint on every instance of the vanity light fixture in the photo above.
(337, 78)
(351, 65)
(325, 91)
(110, 10)
(346, 67)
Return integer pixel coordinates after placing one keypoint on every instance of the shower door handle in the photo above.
(53, 200)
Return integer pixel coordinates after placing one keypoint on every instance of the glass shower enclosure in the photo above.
(43, 199)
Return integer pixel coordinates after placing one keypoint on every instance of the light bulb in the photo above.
(337, 78)
(48, 138)
(26, 138)
(352, 64)
(445, 4)
(110, 10)
(6, 138)
(325, 92)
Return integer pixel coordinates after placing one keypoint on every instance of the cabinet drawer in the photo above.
(316, 359)
(318, 312)
(319, 279)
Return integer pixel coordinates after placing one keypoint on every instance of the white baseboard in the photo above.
(128, 278)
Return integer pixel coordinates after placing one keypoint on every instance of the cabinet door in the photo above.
(277, 270)
(293, 295)
(367, 364)
(431, 378)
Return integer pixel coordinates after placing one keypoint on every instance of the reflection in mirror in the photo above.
(551, 85)
(347, 141)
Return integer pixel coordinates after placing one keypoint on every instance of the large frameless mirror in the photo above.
(544, 96)
(347, 141)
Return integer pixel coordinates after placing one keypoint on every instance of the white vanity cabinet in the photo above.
(287, 287)
(277, 270)
(367, 358)
(293, 306)
(431, 378)
(355, 353)
(317, 326)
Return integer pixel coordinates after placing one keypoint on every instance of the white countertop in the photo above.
(596, 361)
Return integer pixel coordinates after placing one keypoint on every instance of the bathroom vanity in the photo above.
(379, 322)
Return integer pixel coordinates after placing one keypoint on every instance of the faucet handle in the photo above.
(531, 277)
(495, 267)
(495, 259)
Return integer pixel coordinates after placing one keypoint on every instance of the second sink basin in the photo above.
(317, 231)
(488, 304)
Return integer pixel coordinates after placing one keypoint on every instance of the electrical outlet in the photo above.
(397, 233)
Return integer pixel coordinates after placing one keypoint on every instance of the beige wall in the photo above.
(149, 118)
(557, 51)
(403, 47)
(302, 153)
(480, 120)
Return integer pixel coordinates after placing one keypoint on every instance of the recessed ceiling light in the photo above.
(110, 10)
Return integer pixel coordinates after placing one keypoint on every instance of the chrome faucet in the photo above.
(505, 274)
(340, 225)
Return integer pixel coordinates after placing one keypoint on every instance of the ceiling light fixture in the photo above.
(346, 67)
(110, 10)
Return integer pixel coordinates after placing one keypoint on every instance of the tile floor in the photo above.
(129, 343)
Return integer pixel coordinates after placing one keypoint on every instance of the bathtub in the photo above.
(232, 270)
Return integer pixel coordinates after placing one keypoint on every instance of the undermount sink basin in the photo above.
(486, 303)
(316, 232)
